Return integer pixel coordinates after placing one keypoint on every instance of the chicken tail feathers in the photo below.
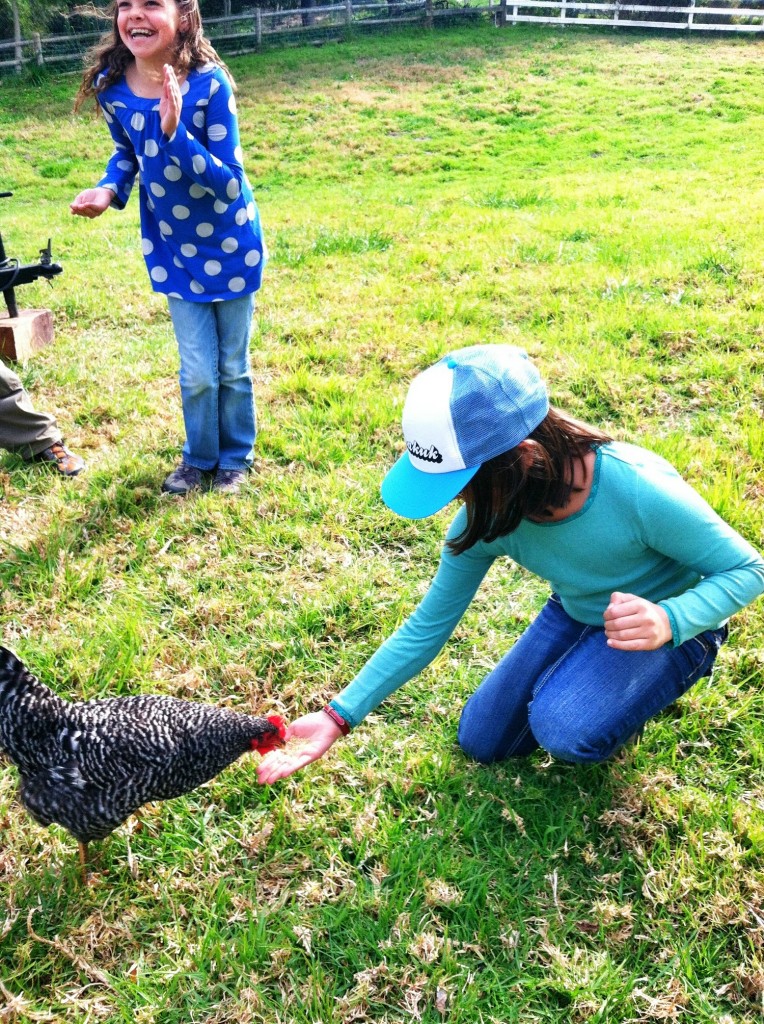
(12, 672)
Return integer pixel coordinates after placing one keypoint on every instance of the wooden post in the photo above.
(348, 12)
(563, 7)
(23, 335)
(17, 50)
(616, 12)
(690, 16)
(428, 13)
(258, 27)
(37, 41)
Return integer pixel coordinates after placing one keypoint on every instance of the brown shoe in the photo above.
(66, 462)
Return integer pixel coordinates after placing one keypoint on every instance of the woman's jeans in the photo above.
(563, 689)
(215, 381)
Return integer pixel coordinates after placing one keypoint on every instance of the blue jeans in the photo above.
(215, 381)
(563, 689)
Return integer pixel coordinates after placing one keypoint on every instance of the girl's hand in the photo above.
(310, 736)
(171, 103)
(92, 202)
(634, 624)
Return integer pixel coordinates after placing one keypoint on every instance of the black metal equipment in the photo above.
(13, 273)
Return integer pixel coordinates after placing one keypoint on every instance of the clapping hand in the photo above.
(171, 102)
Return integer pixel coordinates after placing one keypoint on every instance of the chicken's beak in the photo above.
(273, 740)
(267, 744)
(280, 724)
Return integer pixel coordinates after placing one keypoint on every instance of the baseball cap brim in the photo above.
(415, 495)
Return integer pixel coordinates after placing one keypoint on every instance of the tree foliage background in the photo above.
(33, 15)
(62, 16)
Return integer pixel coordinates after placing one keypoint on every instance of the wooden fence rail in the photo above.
(247, 32)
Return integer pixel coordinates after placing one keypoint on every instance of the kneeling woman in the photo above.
(644, 574)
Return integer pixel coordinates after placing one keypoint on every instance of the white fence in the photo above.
(247, 32)
(692, 17)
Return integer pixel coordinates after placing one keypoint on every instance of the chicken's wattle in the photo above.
(264, 744)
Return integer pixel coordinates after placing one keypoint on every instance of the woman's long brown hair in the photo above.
(111, 56)
(526, 482)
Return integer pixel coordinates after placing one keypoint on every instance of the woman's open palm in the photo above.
(308, 737)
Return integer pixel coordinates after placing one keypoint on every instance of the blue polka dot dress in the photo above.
(200, 227)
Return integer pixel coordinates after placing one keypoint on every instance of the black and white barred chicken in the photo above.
(89, 765)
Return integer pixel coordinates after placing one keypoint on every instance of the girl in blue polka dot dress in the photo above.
(169, 104)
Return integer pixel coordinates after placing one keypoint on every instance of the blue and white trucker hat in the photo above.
(472, 405)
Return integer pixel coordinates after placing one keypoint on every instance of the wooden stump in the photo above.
(24, 334)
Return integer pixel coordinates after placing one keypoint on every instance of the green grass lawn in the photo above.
(594, 197)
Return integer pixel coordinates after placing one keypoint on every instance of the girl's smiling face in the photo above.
(149, 28)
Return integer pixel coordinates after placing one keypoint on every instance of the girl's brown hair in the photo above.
(527, 481)
(111, 56)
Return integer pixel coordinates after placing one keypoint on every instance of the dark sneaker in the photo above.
(66, 462)
(183, 479)
(229, 481)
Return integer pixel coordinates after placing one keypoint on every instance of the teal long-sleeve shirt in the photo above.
(642, 531)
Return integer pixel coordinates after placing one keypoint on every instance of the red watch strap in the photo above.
(337, 718)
